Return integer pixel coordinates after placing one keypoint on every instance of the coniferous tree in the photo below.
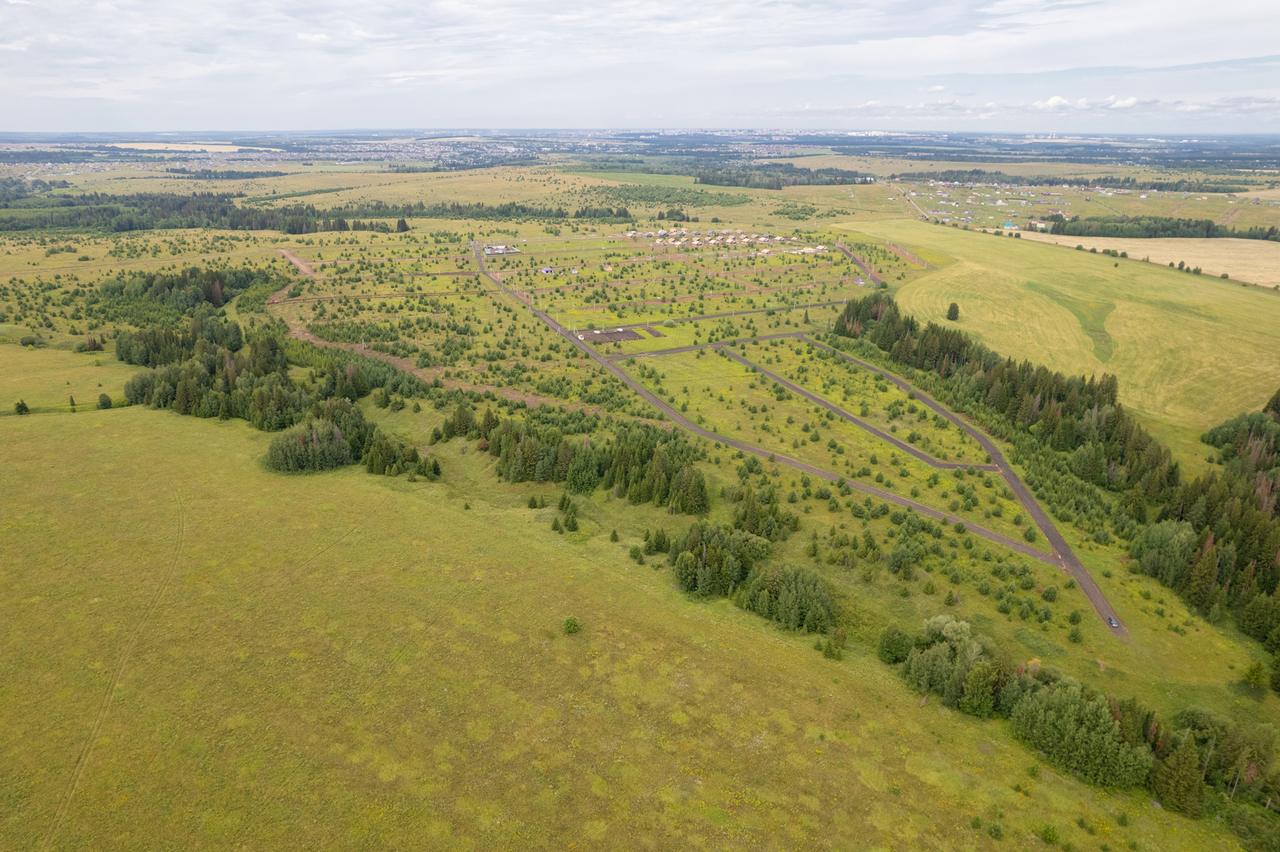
(1177, 780)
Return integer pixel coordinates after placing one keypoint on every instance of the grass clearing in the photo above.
(325, 666)
(1189, 351)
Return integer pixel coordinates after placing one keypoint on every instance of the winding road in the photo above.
(1063, 557)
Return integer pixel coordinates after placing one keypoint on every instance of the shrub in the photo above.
(309, 448)
(1030, 535)
(20, 408)
(1049, 835)
(996, 832)
(571, 625)
(895, 645)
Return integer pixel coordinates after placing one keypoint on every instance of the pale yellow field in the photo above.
(1255, 261)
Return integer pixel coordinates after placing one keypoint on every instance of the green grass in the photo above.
(317, 664)
(1189, 351)
(46, 379)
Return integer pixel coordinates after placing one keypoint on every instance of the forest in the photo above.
(1153, 227)
(1215, 539)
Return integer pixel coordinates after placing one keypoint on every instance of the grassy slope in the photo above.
(1189, 351)
(349, 660)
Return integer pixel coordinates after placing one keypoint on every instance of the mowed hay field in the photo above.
(1254, 261)
(1190, 351)
(201, 654)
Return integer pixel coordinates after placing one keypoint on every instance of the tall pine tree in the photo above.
(1177, 780)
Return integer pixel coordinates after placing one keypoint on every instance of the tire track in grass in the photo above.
(108, 696)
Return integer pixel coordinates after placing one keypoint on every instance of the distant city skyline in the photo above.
(1076, 66)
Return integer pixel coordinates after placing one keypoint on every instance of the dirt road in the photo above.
(1062, 551)
(676, 417)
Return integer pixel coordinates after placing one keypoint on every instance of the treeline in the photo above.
(1153, 227)
(997, 177)
(1104, 740)
(15, 189)
(166, 211)
(167, 299)
(221, 174)
(212, 369)
(1215, 540)
(642, 464)
(745, 175)
(163, 211)
(612, 214)
(777, 176)
(728, 561)
(1066, 413)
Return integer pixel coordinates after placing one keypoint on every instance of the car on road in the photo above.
(1111, 619)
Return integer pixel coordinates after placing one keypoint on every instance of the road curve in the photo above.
(861, 424)
(1062, 551)
(680, 420)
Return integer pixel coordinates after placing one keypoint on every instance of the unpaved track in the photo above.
(861, 424)
(1062, 551)
(302, 265)
(676, 417)
(860, 263)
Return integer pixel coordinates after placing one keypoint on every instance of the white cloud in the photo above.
(1053, 103)
(564, 63)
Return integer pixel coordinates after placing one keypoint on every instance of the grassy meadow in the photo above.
(1190, 351)
(198, 653)
(205, 655)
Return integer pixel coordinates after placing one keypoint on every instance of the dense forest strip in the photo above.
(1156, 227)
(1063, 550)
(674, 416)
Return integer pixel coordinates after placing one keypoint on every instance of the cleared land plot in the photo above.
(725, 397)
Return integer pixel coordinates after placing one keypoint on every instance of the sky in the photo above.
(1065, 66)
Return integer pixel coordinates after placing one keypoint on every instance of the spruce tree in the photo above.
(1177, 780)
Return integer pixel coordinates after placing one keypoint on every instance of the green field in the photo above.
(197, 652)
(1190, 351)
(351, 660)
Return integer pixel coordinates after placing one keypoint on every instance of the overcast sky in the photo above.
(1122, 66)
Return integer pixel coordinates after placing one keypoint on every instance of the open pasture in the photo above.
(1190, 351)
(304, 662)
